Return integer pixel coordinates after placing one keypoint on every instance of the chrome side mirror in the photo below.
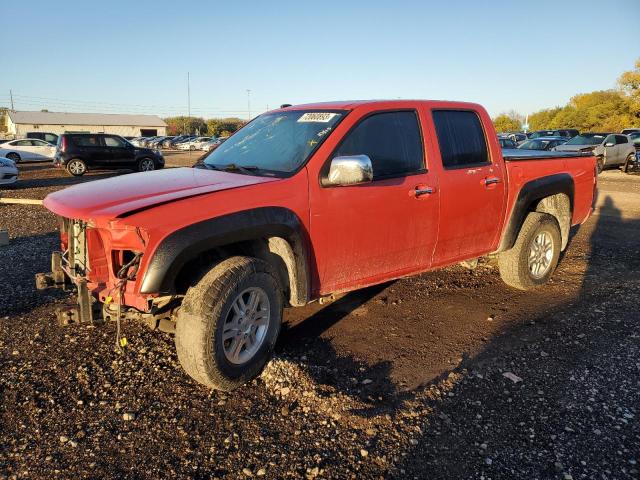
(350, 170)
(609, 144)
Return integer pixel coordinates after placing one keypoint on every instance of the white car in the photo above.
(8, 171)
(193, 144)
(27, 149)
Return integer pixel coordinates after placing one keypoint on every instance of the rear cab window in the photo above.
(461, 138)
(392, 140)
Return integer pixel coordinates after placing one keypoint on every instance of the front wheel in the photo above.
(600, 164)
(629, 163)
(76, 167)
(534, 256)
(228, 323)
(146, 165)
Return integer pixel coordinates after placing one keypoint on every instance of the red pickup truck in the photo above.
(304, 202)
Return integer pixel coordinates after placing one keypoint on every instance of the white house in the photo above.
(19, 123)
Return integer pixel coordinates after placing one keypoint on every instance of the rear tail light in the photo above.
(63, 144)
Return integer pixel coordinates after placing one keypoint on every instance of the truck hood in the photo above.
(113, 197)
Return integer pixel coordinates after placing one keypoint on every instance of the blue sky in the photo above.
(133, 57)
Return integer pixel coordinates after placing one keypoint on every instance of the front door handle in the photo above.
(491, 180)
(419, 191)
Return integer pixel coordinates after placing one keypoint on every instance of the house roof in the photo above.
(104, 119)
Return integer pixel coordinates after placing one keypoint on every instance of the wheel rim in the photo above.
(146, 165)
(76, 167)
(246, 325)
(540, 255)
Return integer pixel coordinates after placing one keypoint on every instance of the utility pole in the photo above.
(11, 95)
(188, 96)
(249, 102)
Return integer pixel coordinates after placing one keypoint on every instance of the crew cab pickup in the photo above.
(305, 202)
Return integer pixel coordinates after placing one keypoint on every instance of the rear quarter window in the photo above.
(461, 138)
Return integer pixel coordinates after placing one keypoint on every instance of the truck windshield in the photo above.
(586, 140)
(277, 143)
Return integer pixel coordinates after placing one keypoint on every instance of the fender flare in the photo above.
(185, 244)
(530, 193)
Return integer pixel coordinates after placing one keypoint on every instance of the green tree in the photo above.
(629, 83)
(223, 127)
(507, 123)
(186, 125)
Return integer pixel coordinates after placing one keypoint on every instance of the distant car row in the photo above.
(180, 142)
(610, 149)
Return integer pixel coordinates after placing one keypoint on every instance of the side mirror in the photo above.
(609, 144)
(350, 170)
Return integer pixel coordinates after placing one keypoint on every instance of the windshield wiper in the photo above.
(232, 167)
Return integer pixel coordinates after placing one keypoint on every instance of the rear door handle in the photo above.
(491, 180)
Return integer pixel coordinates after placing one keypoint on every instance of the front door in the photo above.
(472, 188)
(120, 152)
(366, 233)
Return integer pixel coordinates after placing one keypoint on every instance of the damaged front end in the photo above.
(102, 264)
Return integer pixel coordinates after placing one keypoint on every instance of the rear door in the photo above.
(92, 150)
(120, 151)
(42, 150)
(623, 148)
(472, 187)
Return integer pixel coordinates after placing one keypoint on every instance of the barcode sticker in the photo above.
(322, 117)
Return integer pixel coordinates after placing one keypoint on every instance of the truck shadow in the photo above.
(548, 348)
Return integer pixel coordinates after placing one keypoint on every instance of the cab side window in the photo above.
(392, 141)
(621, 139)
(461, 138)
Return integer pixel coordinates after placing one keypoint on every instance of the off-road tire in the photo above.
(202, 314)
(514, 263)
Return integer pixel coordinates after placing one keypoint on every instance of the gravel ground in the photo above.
(447, 375)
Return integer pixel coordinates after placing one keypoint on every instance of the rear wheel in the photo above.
(600, 164)
(76, 167)
(228, 323)
(534, 256)
(629, 163)
(14, 156)
(146, 165)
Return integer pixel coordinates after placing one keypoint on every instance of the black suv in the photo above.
(79, 152)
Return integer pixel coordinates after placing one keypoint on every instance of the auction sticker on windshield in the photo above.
(322, 117)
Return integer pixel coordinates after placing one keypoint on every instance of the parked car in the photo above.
(216, 252)
(193, 144)
(566, 132)
(8, 171)
(610, 149)
(27, 149)
(166, 143)
(156, 142)
(628, 131)
(51, 138)
(506, 142)
(79, 152)
(542, 143)
(184, 139)
(213, 144)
